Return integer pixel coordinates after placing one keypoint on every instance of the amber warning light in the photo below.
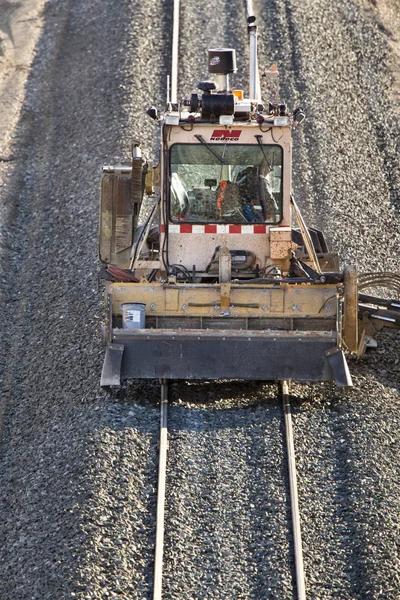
(238, 94)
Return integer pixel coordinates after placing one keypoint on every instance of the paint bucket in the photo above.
(133, 315)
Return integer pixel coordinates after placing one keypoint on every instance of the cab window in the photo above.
(226, 183)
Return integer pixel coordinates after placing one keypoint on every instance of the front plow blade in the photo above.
(209, 354)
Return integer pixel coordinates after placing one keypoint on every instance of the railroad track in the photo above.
(296, 541)
(291, 481)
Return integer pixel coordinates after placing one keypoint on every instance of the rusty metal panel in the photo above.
(152, 179)
(280, 242)
(116, 219)
(350, 317)
(106, 218)
(123, 214)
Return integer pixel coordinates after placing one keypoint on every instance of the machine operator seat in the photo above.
(254, 189)
(228, 198)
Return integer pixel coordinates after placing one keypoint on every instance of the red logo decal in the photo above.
(223, 135)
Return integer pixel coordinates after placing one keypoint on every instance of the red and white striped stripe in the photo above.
(214, 229)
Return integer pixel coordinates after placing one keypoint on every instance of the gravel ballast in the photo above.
(78, 465)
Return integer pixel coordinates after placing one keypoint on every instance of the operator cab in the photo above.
(226, 178)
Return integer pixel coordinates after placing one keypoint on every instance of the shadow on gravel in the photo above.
(222, 394)
(145, 392)
(71, 457)
(353, 539)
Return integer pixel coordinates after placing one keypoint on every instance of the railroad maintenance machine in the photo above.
(224, 279)
(210, 269)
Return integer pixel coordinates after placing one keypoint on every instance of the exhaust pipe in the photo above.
(254, 78)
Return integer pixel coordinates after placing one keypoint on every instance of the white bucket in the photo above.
(133, 315)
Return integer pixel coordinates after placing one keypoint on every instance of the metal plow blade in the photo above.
(300, 356)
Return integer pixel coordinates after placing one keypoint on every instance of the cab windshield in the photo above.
(225, 183)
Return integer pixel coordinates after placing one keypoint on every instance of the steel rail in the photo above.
(162, 466)
(161, 489)
(175, 49)
(294, 500)
(162, 476)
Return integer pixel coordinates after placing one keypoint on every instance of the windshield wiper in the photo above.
(202, 141)
(259, 142)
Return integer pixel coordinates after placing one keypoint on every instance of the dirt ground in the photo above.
(20, 27)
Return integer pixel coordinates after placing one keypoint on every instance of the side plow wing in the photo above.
(111, 373)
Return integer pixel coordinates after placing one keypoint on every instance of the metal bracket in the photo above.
(225, 295)
(340, 369)
(225, 265)
(111, 374)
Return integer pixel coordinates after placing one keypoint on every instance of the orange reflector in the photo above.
(238, 94)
